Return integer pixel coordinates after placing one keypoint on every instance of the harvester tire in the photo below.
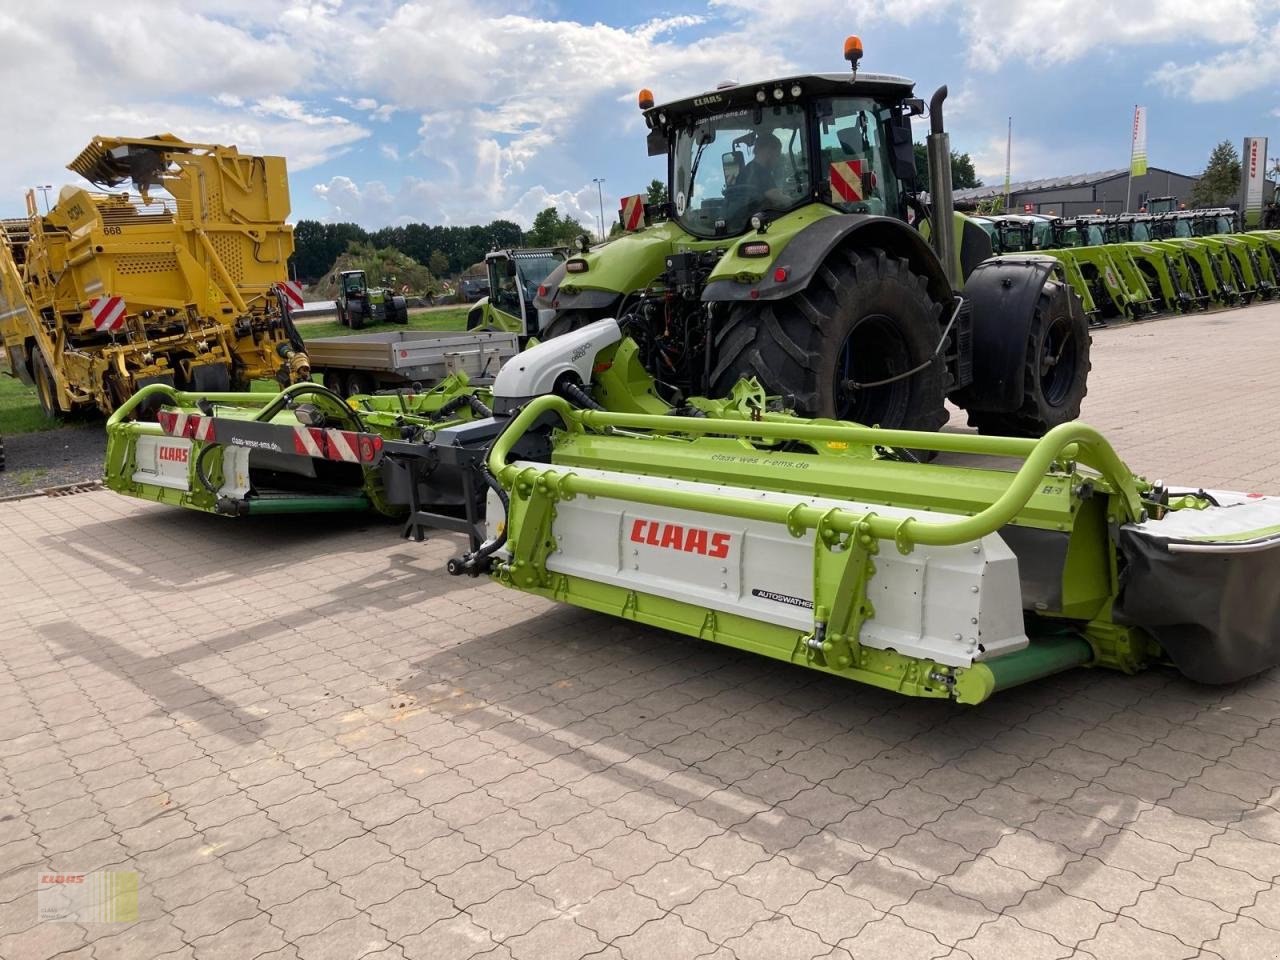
(865, 318)
(1055, 370)
(46, 389)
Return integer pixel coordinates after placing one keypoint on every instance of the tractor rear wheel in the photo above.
(355, 318)
(46, 389)
(567, 322)
(1055, 370)
(857, 344)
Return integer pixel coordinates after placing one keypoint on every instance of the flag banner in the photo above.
(1255, 173)
(1138, 155)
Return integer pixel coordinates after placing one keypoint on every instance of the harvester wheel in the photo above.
(857, 344)
(1055, 372)
(46, 391)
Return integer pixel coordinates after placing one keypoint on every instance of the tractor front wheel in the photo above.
(1055, 369)
(859, 343)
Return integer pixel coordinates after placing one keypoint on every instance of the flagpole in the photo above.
(1008, 160)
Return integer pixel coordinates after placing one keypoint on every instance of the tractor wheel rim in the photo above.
(877, 338)
(1058, 361)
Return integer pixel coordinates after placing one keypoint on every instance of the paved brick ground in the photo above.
(320, 745)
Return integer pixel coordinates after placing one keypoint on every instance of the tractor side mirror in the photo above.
(657, 142)
(902, 155)
(511, 268)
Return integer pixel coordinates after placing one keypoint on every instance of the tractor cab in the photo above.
(1019, 233)
(757, 151)
(354, 284)
(514, 277)
(1078, 232)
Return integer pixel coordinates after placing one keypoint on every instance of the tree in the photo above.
(1220, 181)
(657, 192)
(962, 172)
(438, 263)
(546, 228)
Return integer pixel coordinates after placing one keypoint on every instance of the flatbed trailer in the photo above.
(368, 363)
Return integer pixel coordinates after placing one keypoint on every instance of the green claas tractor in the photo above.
(358, 303)
(787, 253)
(514, 277)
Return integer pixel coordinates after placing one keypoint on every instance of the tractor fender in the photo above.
(808, 250)
(1002, 294)
(554, 299)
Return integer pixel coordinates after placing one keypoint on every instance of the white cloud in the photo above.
(389, 151)
(1245, 69)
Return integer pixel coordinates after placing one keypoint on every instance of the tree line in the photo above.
(445, 251)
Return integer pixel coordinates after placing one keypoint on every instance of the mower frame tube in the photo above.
(1073, 441)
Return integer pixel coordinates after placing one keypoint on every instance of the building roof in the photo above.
(1050, 183)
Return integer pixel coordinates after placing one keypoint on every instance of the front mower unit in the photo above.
(813, 542)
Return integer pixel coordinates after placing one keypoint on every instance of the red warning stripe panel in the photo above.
(107, 313)
(633, 212)
(191, 426)
(292, 291)
(343, 445)
(846, 180)
(309, 441)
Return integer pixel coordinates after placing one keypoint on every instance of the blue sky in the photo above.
(459, 111)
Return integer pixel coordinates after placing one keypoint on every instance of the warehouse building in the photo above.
(1085, 193)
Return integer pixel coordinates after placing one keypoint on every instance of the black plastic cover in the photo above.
(1217, 617)
(1003, 295)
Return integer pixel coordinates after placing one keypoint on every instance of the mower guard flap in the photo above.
(1206, 585)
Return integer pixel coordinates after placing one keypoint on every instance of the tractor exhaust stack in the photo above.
(942, 231)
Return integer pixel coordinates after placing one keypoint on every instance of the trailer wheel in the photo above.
(358, 383)
(857, 344)
(1055, 371)
(46, 391)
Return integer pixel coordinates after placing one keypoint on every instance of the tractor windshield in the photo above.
(852, 157)
(727, 167)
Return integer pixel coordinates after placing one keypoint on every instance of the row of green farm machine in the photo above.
(1131, 266)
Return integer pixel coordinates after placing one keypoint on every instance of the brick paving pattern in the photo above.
(317, 744)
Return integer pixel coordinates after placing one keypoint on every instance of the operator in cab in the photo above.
(760, 176)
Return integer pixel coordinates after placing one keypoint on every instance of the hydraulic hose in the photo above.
(579, 396)
(301, 389)
(457, 403)
(474, 563)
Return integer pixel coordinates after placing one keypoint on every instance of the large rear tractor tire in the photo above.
(1055, 369)
(46, 389)
(857, 344)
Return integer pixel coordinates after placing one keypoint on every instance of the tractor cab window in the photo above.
(353, 283)
(533, 269)
(1182, 228)
(853, 158)
(1041, 234)
(1141, 232)
(730, 166)
(503, 292)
